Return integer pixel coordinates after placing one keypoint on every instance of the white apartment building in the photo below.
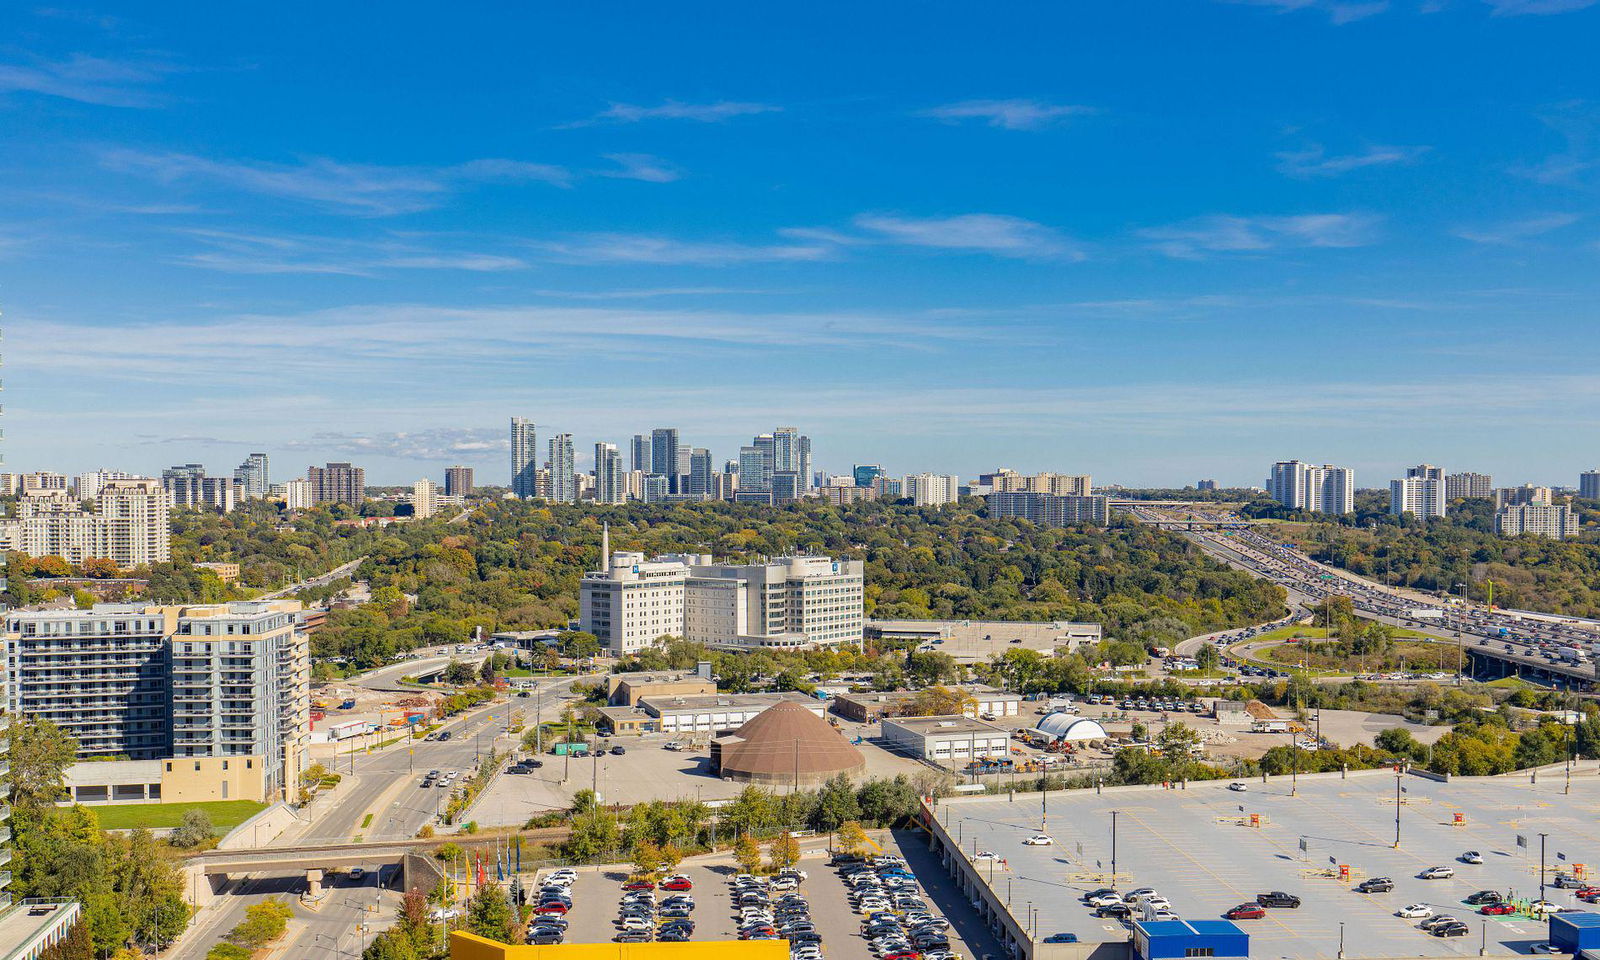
(631, 603)
(1304, 486)
(789, 602)
(87, 486)
(425, 497)
(931, 489)
(130, 525)
(1539, 519)
(1055, 484)
(1528, 493)
(1458, 486)
(1420, 493)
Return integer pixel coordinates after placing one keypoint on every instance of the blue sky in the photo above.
(1153, 241)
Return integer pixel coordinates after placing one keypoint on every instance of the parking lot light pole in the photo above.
(1113, 848)
(1397, 806)
(1542, 837)
(1341, 940)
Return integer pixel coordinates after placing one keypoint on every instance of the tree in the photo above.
(1178, 741)
(194, 830)
(263, 923)
(593, 834)
(747, 854)
(851, 838)
(40, 755)
(646, 858)
(836, 803)
(577, 644)
(940, 701)
(227, 951)
(671, 856)
(459, 674)
(392, 944)
(1207, 657)
(489, 914)
(784, 851)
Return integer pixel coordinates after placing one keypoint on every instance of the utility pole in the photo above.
(1542, 837)
(1113, 848)
(1397, 806)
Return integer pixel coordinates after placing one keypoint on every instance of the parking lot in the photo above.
(1196, 847)
(598, 892)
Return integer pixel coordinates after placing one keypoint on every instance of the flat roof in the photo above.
(932, 726)
(1196, 847)
(20, 928)
(894, 696)
(710, 702)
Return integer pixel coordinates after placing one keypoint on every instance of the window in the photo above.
(1199, 951)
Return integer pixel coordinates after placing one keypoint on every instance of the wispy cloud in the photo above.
(264, 254)
(1578, 125)
(86, 79)
(1315, 161)
(1339, 12)
(1007, 114)
(1226, 234)
(641, 166)
(437, 444)
(1514, 231)
(717, 112)
(669, 251)
(1517, 8)
(992, 233)
(352, 188)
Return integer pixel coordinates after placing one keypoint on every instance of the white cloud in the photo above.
(86, 79)
(1515, 8)
(353, 188)
(1339, 12)
(997, 234)
(1007, 114)
(717, 112)
(641, 166)
(1517, 230)
(1314, 161)
(1227, 234)
(642, 248)
(262, 254)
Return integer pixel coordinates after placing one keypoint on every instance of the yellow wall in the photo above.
(466, 946)
(182, 783)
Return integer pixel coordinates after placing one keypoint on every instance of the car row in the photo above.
(643, 919)
(773, 909)
(897, 922)
(1111, 905)
(553, 902)
(435, 778)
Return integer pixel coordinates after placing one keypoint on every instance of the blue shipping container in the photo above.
(1176, 939)
(1573, 932)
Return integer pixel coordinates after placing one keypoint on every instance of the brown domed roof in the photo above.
(788, 740)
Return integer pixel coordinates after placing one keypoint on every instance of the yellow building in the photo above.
(467, 946)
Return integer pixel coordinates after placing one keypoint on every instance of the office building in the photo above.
(1206, 486)
(296, 494)
(1589, 485)
(701, 474)
(664, 455)
(630, 603)
(931, 489)
(87, 486)
(458, 481)
(656, 488)
(129, 525)
(865, 473)
(563, 470)
(1304, 486)
(1537, 519)
(981, 700)
(639, 453)
(887, 488)
(786, 487)
(754, 474)
(1528, 493)
(337, 483)
(188, 486)
(524, 457)
(227, 680)
(1049, 510)
(609, 485)
(1421, 492)
(1467, 485)
(254, 476)
(424, 498)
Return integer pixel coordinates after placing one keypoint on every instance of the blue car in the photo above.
(1062, 938)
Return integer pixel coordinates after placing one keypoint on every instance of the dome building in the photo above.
(1071, 728)
(786, 744)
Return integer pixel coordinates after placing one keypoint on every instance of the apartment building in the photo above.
(1055, 484)
(1460, 486)
(87, 486)
(1050, 510)
(1304, 486)
(1589, 485)
(458, 481)
(154, 682)
(1421, 492)
(931, 489)
(188, 486)
(337, 483)
(254, 476)
(524, 457)
(296, 494)
(1527, 494)
(1538, 519)
(129, 525)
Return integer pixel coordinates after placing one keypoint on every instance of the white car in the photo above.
(794, 872)
(1038, 840)
(1543, 908)
(1163, 915)
(1437, 873)
(1471, 856)
(441, 914)
(1414, 911)
(1238, 786)
(1104, 900)
(1158, 903)
(1546, 947)
(986, 855)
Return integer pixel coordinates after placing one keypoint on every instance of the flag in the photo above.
(519, 854)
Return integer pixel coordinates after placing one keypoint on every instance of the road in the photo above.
(322, 579)
(1527, 639)
(384, 786)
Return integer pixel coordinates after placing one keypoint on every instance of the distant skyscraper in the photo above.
(701, 482)
(655, 488)
(1420, 493)
(609, 480)
(337, 483)
(1589, 485)
(1302, 486)
(754, 475)
(639, 450)
(1538, 519)
(1526, 494)
(524, 457)
(458, 481)
(253, 476)
(664, 455)
(1459, 486)
(563, 482)
(1205, 486)
(932, 489)
(865, 473)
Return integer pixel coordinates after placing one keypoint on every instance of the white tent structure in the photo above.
(1071, 728)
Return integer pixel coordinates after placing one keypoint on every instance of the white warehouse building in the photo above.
(945, 738)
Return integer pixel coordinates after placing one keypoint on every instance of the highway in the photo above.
(1530, 642)
(384, 785)
(321, 579)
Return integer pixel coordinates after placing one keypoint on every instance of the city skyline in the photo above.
(923, 240)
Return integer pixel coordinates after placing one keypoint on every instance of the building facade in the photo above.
(931, 489)
(1465, 485)
(1421, 492)
(664, 455)
(458, 481)
(952, 740)
(337, 483)
(1589, 485)
(1304, 486)
(130, 525)
(1528, 493)
(630, 603)
(1538, 519)
(524, 457)
(1050, 510)
(610, 483)
(563, 470)
(254, 476)
(195, 490)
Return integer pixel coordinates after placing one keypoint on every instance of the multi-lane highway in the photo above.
(321, 579)
(380, 799)
(1558, 649)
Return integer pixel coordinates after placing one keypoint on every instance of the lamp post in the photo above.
(1113, 848)
(1542, 837)
(1341, 940)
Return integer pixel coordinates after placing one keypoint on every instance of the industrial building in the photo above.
(945, 739)
(706, 715)
(786, 745)
(987, 701)
(975, 641)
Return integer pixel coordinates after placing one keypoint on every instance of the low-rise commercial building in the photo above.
(987, 701)
(945, 739)
(627, 689)
(707, 715)
(186, 780)
(975, 641)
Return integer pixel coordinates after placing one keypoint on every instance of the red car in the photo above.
(1588, 894)
(677, 884)
(551, 907)
(638, 885)
(1246, 911)
(904, 955)
(1496, 909)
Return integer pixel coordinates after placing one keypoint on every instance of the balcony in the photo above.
(5, 856)
(5, 813)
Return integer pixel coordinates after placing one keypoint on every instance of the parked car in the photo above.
(618, 750)
(1119, 911)
(1414, 911)
(1471, 856)
(1038, 840)
(1375, 885)
(1238, 786)
(1246, 911)
(1563, 881)
(1062, 938)
(1483, 897)
(1437, 873)
(1498, 908)
(1277, 898)
(1454, 928)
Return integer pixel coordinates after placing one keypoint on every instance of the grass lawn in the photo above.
(224, 814)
